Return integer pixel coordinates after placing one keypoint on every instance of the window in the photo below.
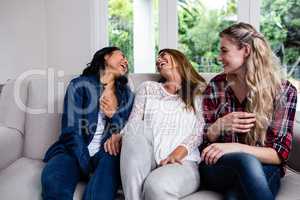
(120, 27)
(133, 26)
(280, 23)
(200, 22)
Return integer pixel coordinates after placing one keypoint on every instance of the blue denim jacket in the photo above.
(80, 117)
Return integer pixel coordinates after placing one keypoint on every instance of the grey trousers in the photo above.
(143, 180)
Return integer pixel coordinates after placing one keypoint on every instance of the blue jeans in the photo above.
(62, 173)
(241, 176)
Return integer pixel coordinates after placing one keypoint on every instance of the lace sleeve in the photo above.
(194, 140)
(138, 109)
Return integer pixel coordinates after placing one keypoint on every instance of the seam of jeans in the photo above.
(239, 178)
(273, 174)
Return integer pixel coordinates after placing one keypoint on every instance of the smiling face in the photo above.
(231, 56)
(116, 63)
(166, 65)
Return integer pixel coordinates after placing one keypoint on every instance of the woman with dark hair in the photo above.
(96, 107)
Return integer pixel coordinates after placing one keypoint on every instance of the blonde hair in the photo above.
(263, 78)
(192, 82)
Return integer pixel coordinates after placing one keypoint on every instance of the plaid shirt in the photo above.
(219, 100)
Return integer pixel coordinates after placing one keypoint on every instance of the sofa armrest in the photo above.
(294, 159)
(13, 101)
(11, 146)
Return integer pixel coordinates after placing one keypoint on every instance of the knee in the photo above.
(50, 183)
(245, 163)
(248, 162)
(109, 163)
(129, 144)
(131, 154)
(155, 188)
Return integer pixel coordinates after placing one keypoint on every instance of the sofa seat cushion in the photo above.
(290, 186)
(21, 180)
(204, 194)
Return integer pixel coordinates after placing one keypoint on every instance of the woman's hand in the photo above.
(108, 104)
(176, 156)
(113, 144)
(215, 151)
(240, 122)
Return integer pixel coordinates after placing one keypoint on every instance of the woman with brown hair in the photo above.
(160, 156)
(249, 112)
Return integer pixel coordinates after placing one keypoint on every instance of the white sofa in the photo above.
(25, 135)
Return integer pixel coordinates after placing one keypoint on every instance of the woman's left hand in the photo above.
(113, 144)
(215, 151)
(176, 156)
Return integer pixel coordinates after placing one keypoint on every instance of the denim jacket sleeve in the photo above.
(71, 133)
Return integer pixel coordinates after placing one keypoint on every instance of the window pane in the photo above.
(200, 22)
(156, 24)
(121, 30)
(280, 23)
(120, 27)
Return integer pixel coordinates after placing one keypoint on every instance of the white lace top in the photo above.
(171, 124)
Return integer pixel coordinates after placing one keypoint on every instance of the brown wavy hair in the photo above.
(192, 82)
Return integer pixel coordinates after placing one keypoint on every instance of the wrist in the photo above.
(242, 147)
(180, 152)
(214, 131)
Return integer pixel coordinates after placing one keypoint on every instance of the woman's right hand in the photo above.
(240, 122)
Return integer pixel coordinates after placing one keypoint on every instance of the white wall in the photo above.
(37, 34)
(22, 37)
(69, 37)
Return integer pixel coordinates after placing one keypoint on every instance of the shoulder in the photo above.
(288, 87)
(216, 85)
(84, 80)
(288, 92)
(218, 78)
(82, 85)
(149, 87)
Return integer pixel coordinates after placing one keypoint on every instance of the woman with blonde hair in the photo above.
(249, 112)
(160, 156)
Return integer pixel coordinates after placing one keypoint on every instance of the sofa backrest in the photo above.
(13, 100)
(43, 115)
(45, 100)
(294, 159)
(40, 124)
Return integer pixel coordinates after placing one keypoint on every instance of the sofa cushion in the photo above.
(21, 180)
(13, 104)
(294, 159)
(134, 80)
(204, 194)
(43, 116)
(11, 146)
(290, 186)
(24, 177)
